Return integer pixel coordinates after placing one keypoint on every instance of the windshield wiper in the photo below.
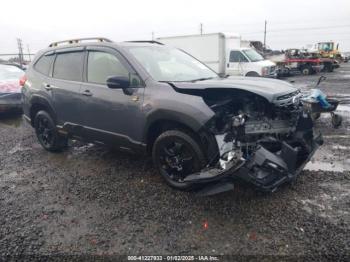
(194, 80)
(201, 79)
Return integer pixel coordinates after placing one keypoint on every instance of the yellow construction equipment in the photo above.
(329, 50)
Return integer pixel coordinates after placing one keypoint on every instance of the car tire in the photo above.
(328, 67)
(47, 133)
(176, 154)
(306, 70)
(252, 74)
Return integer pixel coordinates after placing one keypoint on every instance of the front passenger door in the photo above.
(111, 115)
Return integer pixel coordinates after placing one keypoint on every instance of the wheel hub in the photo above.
(176, 160)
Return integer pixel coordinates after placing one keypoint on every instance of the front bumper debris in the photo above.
(268, 170)
(265, 169)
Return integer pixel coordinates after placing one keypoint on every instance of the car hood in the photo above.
(267, 88)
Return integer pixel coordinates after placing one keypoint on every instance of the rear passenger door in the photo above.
(65, 85)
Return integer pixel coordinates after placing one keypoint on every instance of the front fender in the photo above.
(162, 103)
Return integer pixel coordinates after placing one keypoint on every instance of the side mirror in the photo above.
(118, 82)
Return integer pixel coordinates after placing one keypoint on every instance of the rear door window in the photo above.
(69, 66)
(237, 56)
(43, 64)
(102, 65)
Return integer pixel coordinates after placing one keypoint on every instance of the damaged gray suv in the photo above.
(201, 129)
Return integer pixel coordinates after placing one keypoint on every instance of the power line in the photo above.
(309, 28)
(287, 34)
(300, 29)
(314, 21)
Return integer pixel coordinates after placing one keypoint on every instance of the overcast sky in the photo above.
(289, 23)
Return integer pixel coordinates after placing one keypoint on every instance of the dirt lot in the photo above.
(91, 201)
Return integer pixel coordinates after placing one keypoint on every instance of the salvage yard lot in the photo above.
(89, 200)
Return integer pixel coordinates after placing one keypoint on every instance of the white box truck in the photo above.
(223, 53)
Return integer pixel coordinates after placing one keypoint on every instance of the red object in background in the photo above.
(205, 225)
(22, 80)
(253, 236)
(10, 87)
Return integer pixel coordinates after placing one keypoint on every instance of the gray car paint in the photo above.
(267, 88)
(112, 116)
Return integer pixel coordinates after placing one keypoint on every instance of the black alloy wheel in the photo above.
(47, 133)
(177, 154)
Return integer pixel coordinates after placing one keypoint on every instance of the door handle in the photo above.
(86, 93)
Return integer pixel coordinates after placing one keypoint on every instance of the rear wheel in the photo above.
(177, 154)
(47, 134)
(328, 67)
(306, 70)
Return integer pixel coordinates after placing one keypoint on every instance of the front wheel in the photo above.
(177, 154)
(252, 74)
(47, 134)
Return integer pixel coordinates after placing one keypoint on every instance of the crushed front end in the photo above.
(262, 142)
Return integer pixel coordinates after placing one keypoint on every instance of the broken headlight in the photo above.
(290, 95)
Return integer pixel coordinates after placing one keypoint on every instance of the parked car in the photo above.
(226, 54)
(201, 129)
(22, 67)
(10, 89)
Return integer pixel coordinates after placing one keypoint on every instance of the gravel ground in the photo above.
(90, 202)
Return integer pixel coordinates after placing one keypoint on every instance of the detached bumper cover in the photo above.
(266, 170)
(269, 170)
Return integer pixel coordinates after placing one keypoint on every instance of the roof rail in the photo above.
(79, 40)
(145, 41)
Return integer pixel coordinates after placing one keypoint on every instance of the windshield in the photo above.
(10, 73)
(326, 46)
(253, 55)
(170, 64)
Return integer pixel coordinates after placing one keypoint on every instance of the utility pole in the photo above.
(152, 36)
(201, 28)
(265, 35)
(30, 59)
(20, 51)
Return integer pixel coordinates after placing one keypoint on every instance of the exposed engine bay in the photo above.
(265, 143)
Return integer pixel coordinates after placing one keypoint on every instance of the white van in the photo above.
(223, 53)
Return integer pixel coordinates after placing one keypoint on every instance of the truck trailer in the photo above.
(224, 53)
